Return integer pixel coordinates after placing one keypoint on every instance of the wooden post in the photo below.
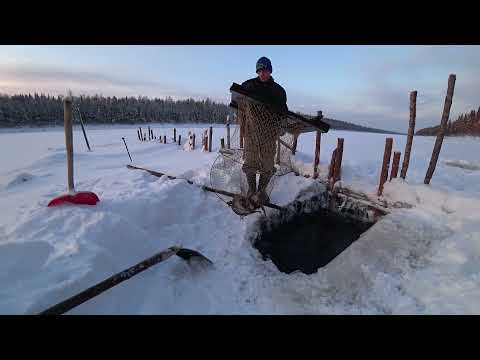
(174, 135)
(228, 136)
(149, 133)
(337, 173)
(179, 139)
(396, 161)
(386, 163)
(141, 133)
(411, 130)
(210, 140)
(294, 145)
(222, 143)
(317, 155)
(441, 132)
(332, 164)
(67, 118)
(145, 137)
(164, 139)
(193, 141)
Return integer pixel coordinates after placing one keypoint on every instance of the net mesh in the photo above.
(260, 152)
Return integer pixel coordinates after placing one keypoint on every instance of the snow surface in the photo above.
(414, 261)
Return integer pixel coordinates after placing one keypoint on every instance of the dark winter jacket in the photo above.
(270, 91)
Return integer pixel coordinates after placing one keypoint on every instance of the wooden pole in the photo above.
(441, 132)
(332, 164)
(222, 143)
(193, 141)
(103, 286)
(210, 140)
(317, 155)
(164, 139)
(396, 161)
(174, 135)
(228, 136)
(179, 139)
(67, 118)
(337, 173)
(83, 130)
(386, 163)
(411, 130)
(203, 187)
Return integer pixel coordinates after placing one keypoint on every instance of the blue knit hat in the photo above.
(264, 63)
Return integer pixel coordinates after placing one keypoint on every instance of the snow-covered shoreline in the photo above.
(415, 261)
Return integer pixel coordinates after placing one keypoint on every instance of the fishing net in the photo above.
(260, 152)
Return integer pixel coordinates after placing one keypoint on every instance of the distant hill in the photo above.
(344, 125)
(466, 124)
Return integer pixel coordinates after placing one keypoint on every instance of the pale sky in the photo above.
(366, 85)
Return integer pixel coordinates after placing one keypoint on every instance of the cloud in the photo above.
(55, 80)
(381, 98)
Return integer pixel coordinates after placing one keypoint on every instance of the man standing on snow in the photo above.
(262, 154)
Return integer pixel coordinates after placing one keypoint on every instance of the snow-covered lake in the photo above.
(415, 261)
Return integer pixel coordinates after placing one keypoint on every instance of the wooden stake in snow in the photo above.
(396, 161)
(337, 172)
(67, 117)
(179, 139)
(164, 139)
(386, 164)
(210, 140)
(332, 168)
(193, 141)
(441, 132)
(317, 155)
(411, 131)
(174, 135)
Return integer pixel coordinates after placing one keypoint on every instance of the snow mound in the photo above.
(20, 179)
(463, 164)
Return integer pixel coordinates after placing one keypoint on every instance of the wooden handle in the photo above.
(104, 285)
(67, 117)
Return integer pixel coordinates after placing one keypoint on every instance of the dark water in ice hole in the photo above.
(309, 241)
